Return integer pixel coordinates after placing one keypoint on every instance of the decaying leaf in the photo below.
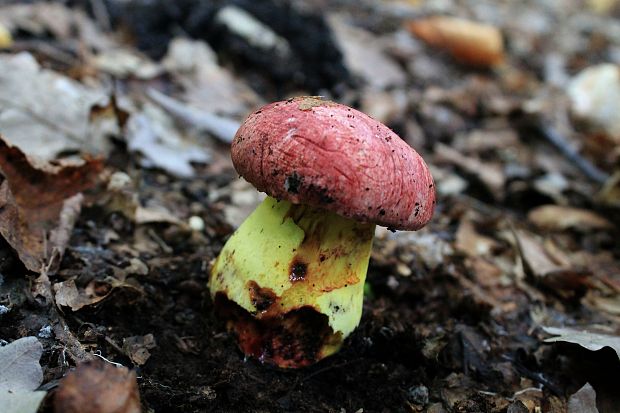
(122, 197)
(591, 340)
(20, 375)
(152, 134)
(38, 227)
(146, 215)
(555, 217)
(208, 86)
(489, 173)
(471, 242)
(536, 256)
(53, 182)
(137, 348)
(469, 42)
(365, 57)
(583, 401)
(124, 62)
(98, 387)
(32, 117)
(67, 294)
(551, 267)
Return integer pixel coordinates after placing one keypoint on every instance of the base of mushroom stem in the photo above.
(294, 279)
(297, 339)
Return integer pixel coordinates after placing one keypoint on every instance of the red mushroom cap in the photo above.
(320, 153)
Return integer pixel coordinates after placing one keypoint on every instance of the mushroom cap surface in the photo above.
(328, 155)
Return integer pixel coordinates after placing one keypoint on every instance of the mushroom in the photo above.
(290, 280)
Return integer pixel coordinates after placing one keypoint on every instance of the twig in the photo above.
(570, 153)
(61, 330)
(101, 14)
(51, 50)
(222, 128)
(114, 345)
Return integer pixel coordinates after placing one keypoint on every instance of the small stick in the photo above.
(222, 128)
(560, 142)
(101, 14)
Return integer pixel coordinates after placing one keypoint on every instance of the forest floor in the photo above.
(108, 259)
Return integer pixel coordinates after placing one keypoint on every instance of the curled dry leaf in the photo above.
(98, 387)
(472, 43)
(45, 113)
(551, 267)
(38, 227)
(593, 341)
(536, 257)
(67, 294)
(137, 348)
(207, 85)
(365, 56)
(555, 217)
(489, 173)
(152, 133)
(469, 241)
(53, 182)
(121, 196)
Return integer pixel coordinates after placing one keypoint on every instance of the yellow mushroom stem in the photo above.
(290, 282)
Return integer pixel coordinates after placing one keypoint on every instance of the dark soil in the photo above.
(424, 341)
(443, 329)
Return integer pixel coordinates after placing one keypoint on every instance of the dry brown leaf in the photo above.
(98, 387)
(364, 55)
(536, 256)
(555, 217)
(67, 294)
(485, 271)
(471, 242)
(551, 267)
(472, 43)
(53, 182)
(45, 113)
(38, 227)
(137, 348)
(145, 215)
(489, 173)
(208, 86)
(154, 135)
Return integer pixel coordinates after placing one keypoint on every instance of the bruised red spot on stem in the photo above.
(262, 298)
(290, 340)
(298, 270)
